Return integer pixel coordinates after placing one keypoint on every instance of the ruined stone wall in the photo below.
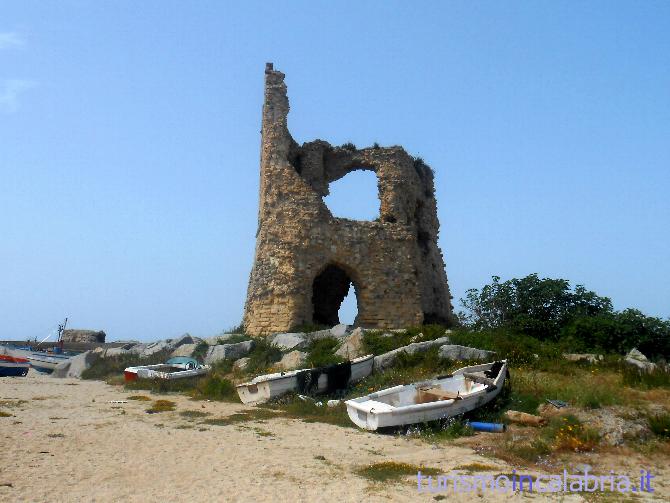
(305, 258)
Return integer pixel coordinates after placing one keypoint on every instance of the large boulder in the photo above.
(456, 352)
(220, 339)
(184, 350)
(75, 365)
(228, 351)
(583, 357)
(352, 347)
(110, 352)
(292, 360)
(88, 336)
(241, 364)
(289, 341)
(638, 360)
(166, 345)
(339, 331)
(387, 360)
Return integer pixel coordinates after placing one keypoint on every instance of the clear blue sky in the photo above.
(129, 145)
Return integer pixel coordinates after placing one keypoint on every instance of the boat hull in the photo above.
(46, 363)
(266, 387)
(378, 410)
(13, 367)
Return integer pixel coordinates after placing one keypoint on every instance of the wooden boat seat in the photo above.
(480, 378)
(435, 393)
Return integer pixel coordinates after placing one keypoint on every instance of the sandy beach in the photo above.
(66, 440)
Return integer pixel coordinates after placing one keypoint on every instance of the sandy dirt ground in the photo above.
(66, 441)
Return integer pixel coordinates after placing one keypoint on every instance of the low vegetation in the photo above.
(320, 353)
(161, 406)
(392, 471)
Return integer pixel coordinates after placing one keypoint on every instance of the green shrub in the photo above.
(263, 356)
(320, 352)
(200, 351)
(215, 387)
(660, 425)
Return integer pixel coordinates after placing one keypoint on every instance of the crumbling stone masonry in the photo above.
(306, 259)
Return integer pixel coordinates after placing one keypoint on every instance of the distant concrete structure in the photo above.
(85, 336)
(306, 259)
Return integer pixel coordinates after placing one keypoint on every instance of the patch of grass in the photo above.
(321, 352)
(660, 425)
(161, 406)
(234, 339)
(56, 435)
(445, 429)
(239, 329)
(192, 414)
(263, 356)
(308, 411)
(644, 380)
(567, 433)
(5, 414)
(139, 398)
(12, 403)
(258, 414)
(200, 351)
(215, 387)
(476, 467)
(393, 471)
(376, 342)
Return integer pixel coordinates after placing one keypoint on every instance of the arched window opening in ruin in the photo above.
(329, 290)
(355, 196)
(349, 307)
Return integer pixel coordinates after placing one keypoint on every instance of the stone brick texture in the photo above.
(306, 259)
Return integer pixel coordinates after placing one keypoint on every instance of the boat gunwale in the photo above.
(293, 373)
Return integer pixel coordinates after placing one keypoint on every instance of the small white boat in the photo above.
(466, 389)
(263, 388)
(178, 367)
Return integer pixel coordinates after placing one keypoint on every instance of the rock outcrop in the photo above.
(456, 352)
(387, 360)
(228, 351)
(75, 365)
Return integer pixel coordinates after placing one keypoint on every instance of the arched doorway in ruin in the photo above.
(329, 289)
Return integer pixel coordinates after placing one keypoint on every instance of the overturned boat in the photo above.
(466, 389)
(318, 380)
(178, 367)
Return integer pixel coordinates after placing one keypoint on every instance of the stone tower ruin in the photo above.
(306, 259)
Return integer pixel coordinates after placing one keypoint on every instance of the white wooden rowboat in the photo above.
(264, 387)
(466, 389)
(179, 367)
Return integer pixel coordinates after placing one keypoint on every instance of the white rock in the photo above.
(292, 360)
(75, 365)
(228, 351)
(289, 341)
(637, 359)
(388, 359)
(456, 352)
(339, 330)
(352, 347)
(184, 350)
(241, 363)
(586, 357)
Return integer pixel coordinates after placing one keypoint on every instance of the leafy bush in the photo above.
(660, 425)
(320, 352)
(263, 356)
(550, 310)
